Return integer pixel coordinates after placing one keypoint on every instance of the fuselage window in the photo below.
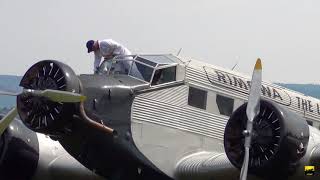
(225, 105)
(310, 122)
(197, 98)
(164, 75)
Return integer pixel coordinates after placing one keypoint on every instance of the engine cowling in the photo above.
(39, 113)
(279, 140)
(19, 152)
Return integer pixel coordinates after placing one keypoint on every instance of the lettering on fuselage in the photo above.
(239, 84)
(307, 105)
(242, 85)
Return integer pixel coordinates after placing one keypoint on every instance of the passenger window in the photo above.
(225, 105)
(197, 98)
(164, 76)
(310, 122)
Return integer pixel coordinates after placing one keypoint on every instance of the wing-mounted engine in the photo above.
(279, 139)
(39, 113)
(19, 152)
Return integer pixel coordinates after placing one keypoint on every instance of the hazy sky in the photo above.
(285, 34)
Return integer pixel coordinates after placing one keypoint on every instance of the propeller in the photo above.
(253, 108)
(8, 93)
(53, 95)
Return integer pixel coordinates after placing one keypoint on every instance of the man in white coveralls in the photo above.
(108, 49)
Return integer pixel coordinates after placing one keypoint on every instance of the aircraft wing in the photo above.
(214, 165)
(315, 150)
(315, 156)
(65, 167)
(206, 165)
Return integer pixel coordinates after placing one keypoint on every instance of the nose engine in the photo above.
(279, 139)
(39, 113)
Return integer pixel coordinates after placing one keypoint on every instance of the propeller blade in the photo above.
(244, 169)
(6, 120)
(54, 95)
(8, 93)
(253, 108)
(58, 96)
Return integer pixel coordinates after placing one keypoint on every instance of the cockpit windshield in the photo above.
(154, 69)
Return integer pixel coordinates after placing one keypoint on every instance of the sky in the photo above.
(284, 34)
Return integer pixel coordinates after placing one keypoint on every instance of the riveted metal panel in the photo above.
(174, 96)
(169, 108)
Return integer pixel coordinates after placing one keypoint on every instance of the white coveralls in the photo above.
(109, 48)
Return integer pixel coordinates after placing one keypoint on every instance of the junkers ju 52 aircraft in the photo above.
(169, 117)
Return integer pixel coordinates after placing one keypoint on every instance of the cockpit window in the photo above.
(161, 67)
(115, 67)
(164, 75)
(153, 64)
(159, 59)
(104, 66)
(141, 71)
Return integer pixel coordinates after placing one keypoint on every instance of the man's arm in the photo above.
(97, 61)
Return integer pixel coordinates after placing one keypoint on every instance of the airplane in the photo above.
(169, 117)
